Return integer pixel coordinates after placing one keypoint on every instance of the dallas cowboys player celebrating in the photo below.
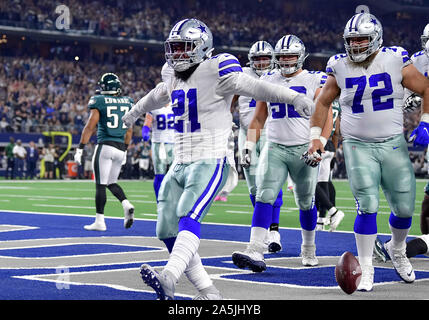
(369, 80)
(261, 59)
(287, 139)
(200, 88)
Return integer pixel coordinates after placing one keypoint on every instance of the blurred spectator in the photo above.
(10, 159)
(32, 158)
(19, 154)
(49, 157)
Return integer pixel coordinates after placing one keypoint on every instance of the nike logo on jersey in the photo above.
(394, 148)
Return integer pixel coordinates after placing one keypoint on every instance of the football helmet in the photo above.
(261, 49)
(363, 25)
(289, 45)
(189, 43)
(109, 84)
(425, 39)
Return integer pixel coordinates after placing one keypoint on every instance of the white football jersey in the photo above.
(163, 125)
(371, 98)
(203, 120)
(247, 105)
(284, 125)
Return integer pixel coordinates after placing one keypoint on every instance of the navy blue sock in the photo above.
(308, 218)
(366, 223)
(262, 215)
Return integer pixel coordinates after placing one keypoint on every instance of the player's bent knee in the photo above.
(367, 203)
(266, 196)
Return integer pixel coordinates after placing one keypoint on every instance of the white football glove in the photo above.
(124, 160)
(313, 159)
(412, 103)
(78, 156)
(303, 105)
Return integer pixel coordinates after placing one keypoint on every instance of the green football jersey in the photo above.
(111, 108)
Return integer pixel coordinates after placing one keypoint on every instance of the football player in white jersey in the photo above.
(287, 139)
(200, 88)
(419, 245)
(261, 61)
(161, 122)
(369, 80)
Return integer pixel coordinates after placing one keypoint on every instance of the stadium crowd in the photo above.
(151, 19)
(51, 94)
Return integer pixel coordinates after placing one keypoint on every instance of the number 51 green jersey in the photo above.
(111, 108)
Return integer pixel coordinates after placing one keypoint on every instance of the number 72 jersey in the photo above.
(111, 109)
(371, 96)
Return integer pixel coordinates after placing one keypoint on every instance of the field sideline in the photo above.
(77, 197)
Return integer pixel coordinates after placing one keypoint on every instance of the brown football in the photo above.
(348, 272)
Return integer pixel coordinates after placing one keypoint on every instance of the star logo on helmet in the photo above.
(202, 28)
(374, 21)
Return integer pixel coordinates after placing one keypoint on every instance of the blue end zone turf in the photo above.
(40, 283)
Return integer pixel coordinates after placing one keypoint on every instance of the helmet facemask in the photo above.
(288, 66)
(180, 55)
(359, 52)
(261, 64)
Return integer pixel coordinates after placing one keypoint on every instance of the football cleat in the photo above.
(379, 253)
(308, 255)
(128, 214)
(335, 220)
(163, 284)
(96, 226)
(252, 258)
(210, 293)
(401, 263)
(320, 225)
(367, 280)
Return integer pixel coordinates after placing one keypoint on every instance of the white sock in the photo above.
(308, 237)
(365, 246)
(257, 235)
(399, 237)
(99, 218)
(196, 273)
(331, 211)
(184, 249)
(125, 203)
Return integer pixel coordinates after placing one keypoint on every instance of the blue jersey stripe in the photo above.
(228, 62)
(229, 70)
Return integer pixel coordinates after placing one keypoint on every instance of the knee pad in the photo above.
(266, 196)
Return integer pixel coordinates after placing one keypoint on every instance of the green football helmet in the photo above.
(110, 84)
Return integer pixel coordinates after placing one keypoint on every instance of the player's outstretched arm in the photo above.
(155, 99)
(239, 83)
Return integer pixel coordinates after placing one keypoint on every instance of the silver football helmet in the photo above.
(289, 45)
(261, 49)
(425, 39)
(189, 43)
(363, 25)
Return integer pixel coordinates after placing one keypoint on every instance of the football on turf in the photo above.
(348, 272)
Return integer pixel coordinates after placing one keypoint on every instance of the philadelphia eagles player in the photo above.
(369, 80)
(200, 88)
(113, 138)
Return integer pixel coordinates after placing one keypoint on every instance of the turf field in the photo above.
(45, 253)
(77, 197)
